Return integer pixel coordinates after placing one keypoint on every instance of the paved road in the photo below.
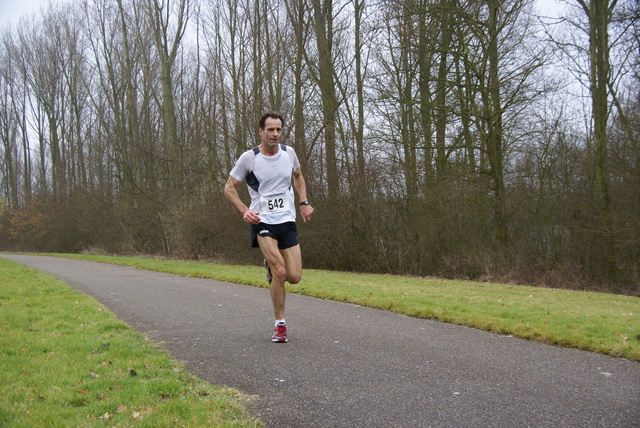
(349, 366)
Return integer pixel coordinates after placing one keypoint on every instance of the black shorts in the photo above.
(286, 234)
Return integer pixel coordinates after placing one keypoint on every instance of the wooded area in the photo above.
(453, 138)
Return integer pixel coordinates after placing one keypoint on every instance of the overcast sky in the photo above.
(13, 10)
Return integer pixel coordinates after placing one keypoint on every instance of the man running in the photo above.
(269, 170)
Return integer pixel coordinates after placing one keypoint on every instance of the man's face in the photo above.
(271, 133)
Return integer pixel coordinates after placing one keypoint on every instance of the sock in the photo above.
(282, 321)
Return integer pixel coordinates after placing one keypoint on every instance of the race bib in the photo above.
(274, 202)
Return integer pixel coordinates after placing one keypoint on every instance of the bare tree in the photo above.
(323, 27)
(297, 12)
(168, 35)
(589, 50)
(9, 85)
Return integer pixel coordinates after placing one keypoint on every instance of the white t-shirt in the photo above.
(269, 183)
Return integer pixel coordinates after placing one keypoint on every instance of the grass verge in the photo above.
(65, 360)
(597, 322)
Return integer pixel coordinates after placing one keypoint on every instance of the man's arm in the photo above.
(301, 188)
(231, 192)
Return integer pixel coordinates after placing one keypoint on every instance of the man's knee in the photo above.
(279, 271)
(294, 278)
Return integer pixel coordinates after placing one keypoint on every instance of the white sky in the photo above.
(12, 10)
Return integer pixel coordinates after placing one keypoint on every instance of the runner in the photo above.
(270, 170)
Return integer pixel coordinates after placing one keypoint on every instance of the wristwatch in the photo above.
(304, 203)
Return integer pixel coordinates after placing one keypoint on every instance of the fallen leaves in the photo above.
(142, 413)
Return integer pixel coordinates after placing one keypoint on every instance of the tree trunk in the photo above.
(493, 109)
(323, 26)
(599, 14)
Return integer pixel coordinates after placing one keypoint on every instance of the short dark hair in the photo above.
(271, 114)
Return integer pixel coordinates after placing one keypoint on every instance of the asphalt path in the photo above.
(350, 366)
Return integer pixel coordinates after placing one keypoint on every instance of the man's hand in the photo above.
(307, 212)
(251, 217)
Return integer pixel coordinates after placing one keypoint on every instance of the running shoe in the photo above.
(269, 276)
(279, 334)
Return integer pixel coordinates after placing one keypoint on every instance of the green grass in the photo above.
(66, 361)
(597, 322)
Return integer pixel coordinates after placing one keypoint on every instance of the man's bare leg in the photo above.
(285, 265)
(293, 263)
